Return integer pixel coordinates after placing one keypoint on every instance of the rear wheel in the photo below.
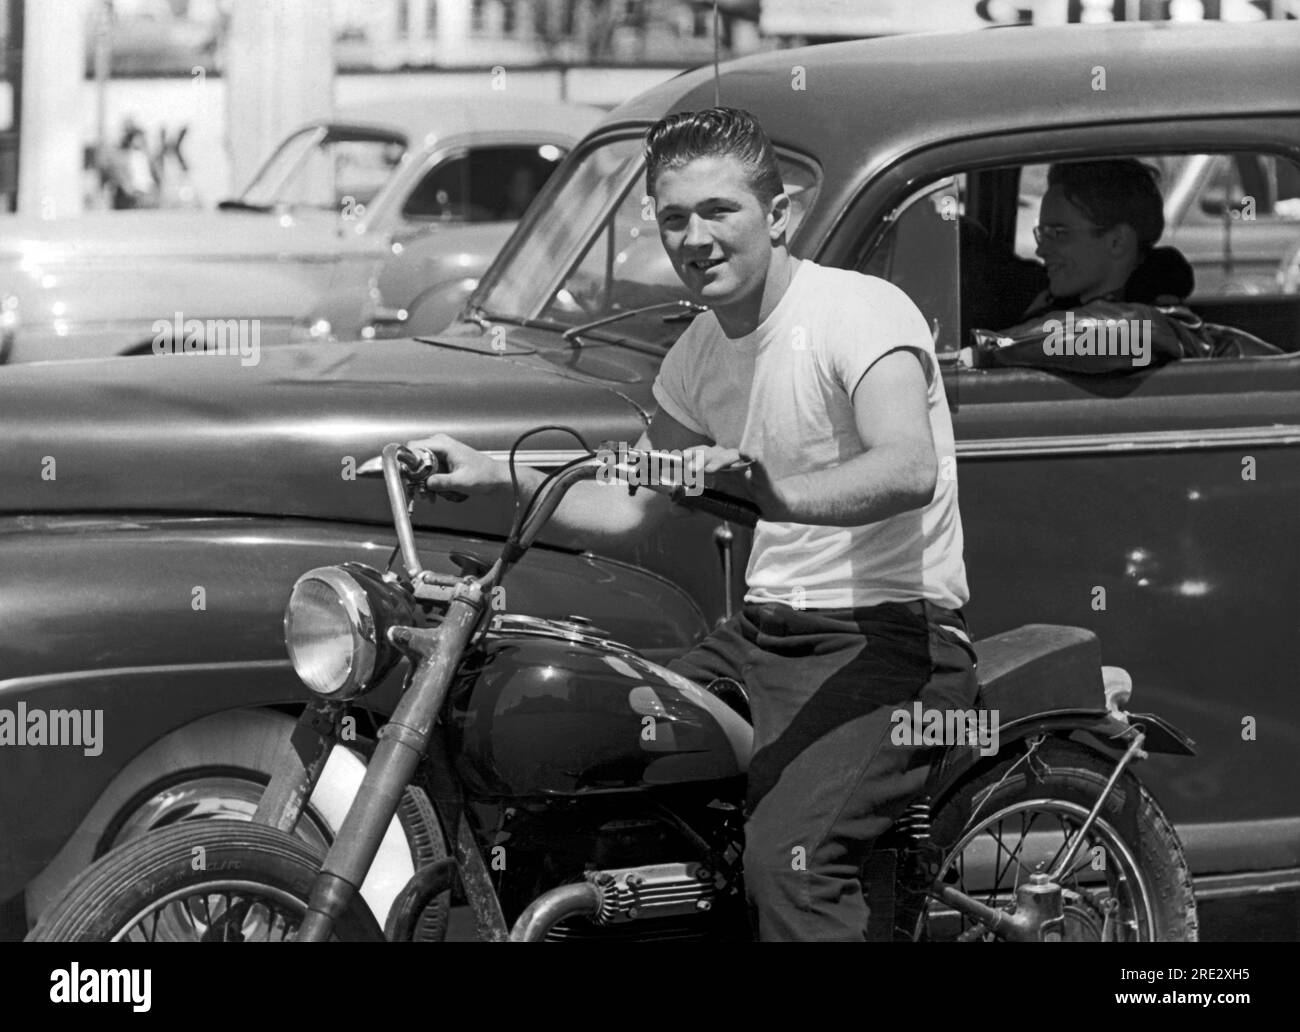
(217, 881)
(1129, 881)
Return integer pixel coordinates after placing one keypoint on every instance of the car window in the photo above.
(1234, 216)
(957, 247)
(1238, 185)
(487, 184)
(333, 169)
(920, 254)
(1228, 259)
(624, 266)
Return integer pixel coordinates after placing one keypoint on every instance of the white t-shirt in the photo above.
(783, 394)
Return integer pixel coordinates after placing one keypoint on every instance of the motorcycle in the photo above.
(573, 790)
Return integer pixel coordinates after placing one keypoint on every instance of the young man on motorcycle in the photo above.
(827, 380)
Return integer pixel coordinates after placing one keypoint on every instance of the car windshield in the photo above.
(325, 167)
(596, 253)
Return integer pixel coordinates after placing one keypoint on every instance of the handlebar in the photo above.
(405, 469)
(725, 506)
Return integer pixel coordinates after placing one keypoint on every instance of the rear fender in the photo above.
(1105, 731)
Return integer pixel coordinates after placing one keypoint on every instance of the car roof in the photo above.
(422, 120)
(902, 92)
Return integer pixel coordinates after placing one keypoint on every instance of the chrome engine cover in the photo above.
(660, 890)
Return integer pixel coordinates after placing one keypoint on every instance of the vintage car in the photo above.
(155, 513)
(414, 197)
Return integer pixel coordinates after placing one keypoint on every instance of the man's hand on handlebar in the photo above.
(464, 469)
(736, 474)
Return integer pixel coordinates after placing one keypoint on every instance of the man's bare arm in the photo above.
(592, 513)
(896, 472)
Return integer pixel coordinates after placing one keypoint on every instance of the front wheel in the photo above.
(218, 881)
(1129, 881)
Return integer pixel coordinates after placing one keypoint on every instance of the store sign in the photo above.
(856, 18)
(887, 17)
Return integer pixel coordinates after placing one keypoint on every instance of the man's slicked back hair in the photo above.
(1114, 191)
(713, 132)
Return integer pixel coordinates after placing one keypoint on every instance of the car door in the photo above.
(1158, 508)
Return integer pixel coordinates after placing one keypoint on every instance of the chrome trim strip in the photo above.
(1062, 444)
(540, 457)
(13, 685)
(1141, 441)
(1247, 883)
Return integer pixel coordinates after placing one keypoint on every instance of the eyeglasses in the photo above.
(1061, 234)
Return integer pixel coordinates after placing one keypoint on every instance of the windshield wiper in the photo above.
(689, 310)
(484, 321)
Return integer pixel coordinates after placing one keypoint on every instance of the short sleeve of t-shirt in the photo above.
(872, 318)
(672, 387)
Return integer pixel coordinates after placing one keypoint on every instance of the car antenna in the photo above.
(717, 85)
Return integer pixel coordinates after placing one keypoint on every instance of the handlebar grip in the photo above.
(422, 464)
(724, 506)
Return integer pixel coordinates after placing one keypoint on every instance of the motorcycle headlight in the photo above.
(336, 625)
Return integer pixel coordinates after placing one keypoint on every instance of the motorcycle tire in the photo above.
(217, 768)
(272, 869)
(1065, 776)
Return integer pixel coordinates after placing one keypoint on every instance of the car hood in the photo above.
(208, 434)
(156, 235)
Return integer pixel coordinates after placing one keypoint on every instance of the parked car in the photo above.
(367, 196)
(155, 513)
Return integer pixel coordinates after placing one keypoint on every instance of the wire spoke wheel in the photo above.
(1105, 895)
(219, 911)
(199, 881)
(1128, 880)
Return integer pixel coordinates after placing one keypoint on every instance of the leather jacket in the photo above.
(1144, 324)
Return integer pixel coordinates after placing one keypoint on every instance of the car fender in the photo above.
(153, 622)
(216, 742)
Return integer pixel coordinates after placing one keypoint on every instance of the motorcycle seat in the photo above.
(1038, 668)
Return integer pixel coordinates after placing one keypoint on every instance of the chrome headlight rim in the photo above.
(365, 647)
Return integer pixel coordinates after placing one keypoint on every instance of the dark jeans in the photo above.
(825, 779)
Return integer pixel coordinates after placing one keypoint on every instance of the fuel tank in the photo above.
(549, 708)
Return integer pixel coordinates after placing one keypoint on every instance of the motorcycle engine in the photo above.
(660, 902)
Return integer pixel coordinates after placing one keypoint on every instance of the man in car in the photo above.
(1114, 300)
(827, 380)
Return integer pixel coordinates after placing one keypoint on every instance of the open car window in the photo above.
(485, 184)
(963, 249)
(1234, 216)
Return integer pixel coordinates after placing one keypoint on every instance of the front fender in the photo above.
(155, 621)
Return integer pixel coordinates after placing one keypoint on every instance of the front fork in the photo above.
(299, 767)
(402, 743)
